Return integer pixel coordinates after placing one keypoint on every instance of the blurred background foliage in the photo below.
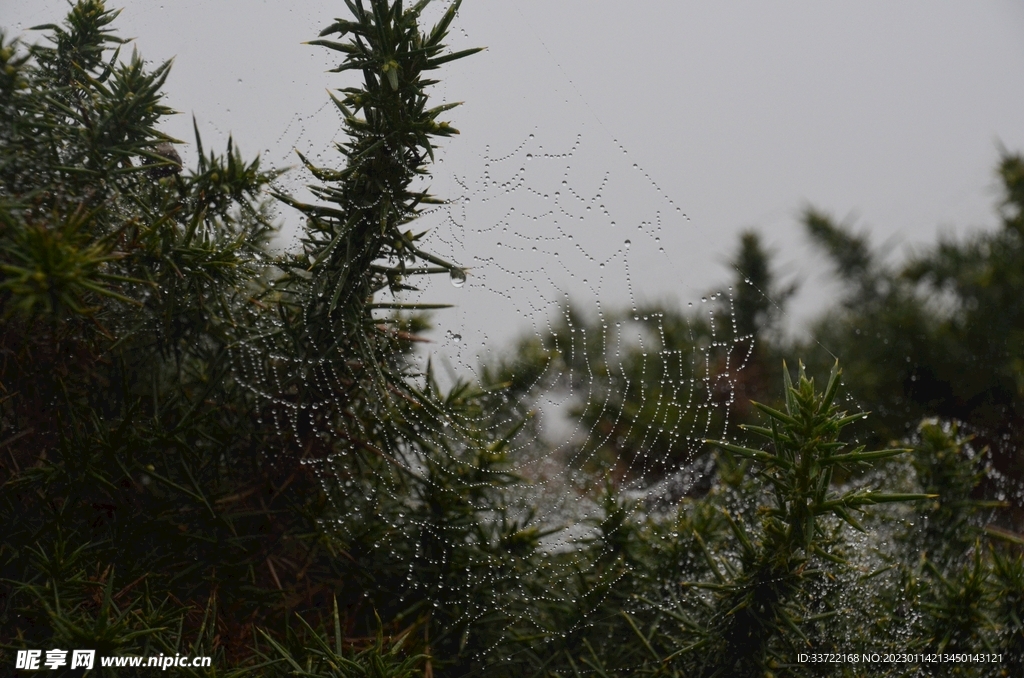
(211, 448)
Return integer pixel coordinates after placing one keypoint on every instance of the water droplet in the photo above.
(458, 277)
(628, 243)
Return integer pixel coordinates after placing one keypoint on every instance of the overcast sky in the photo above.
(736, 115)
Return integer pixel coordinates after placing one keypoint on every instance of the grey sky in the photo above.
(741, 113)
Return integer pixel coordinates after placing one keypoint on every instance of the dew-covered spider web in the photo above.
(595, 352)
(601, 359)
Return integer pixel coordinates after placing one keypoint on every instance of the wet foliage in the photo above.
(213, 448)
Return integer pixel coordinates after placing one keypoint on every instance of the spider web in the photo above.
(577, 249)
(569, 243)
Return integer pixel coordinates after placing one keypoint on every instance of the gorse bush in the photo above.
(159, 496)
(213, 448)
(778, 560)
(121, 293)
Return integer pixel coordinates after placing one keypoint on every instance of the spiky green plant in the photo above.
(143, 313)
(756, 602)
(356, 240)
(122, 283)
(756, 626)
